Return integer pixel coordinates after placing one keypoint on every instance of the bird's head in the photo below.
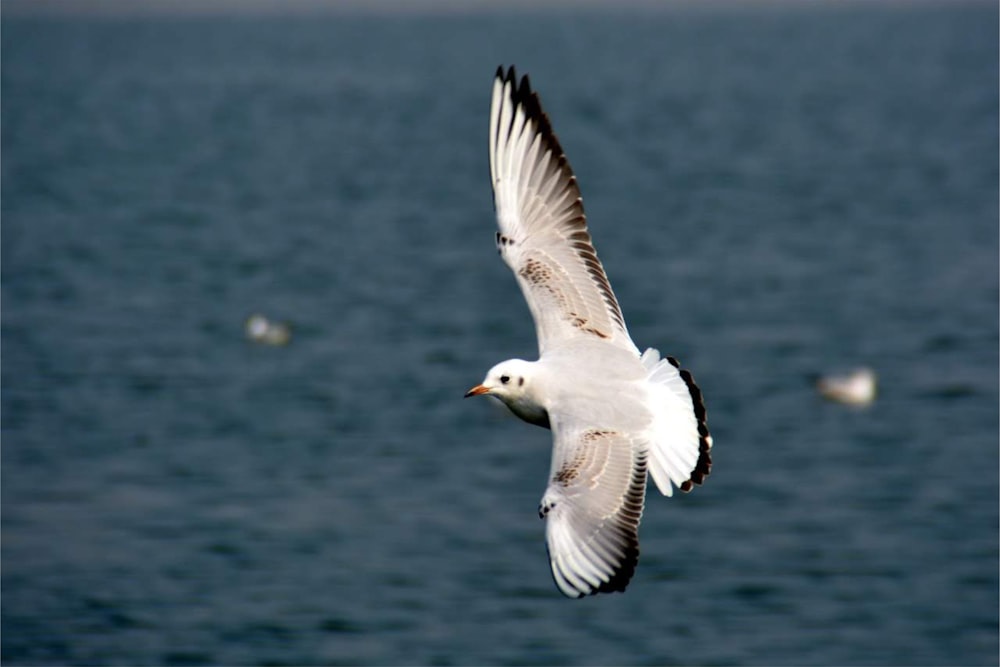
(509, 381)
(515, 383)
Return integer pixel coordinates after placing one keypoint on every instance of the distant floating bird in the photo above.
(261, 330)
(616, 415)
(855, 388)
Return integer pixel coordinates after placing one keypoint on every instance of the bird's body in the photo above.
(616, 415)
(560, 385)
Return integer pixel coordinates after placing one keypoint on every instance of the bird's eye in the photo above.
(504, 379)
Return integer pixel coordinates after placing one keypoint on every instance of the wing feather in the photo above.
(543, 233)
(592, 507)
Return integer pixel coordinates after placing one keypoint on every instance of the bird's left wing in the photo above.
(543, 233)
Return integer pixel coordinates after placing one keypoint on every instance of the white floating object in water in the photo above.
(259, 329)
(854, 388)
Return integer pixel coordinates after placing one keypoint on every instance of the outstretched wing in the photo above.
(543, 233)
(592, 509)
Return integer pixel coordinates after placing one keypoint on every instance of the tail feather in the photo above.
(681, 446)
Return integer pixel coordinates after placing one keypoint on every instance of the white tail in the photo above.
(680, 444)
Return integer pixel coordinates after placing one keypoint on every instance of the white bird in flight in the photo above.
(615, 414)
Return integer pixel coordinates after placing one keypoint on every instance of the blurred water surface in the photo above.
(775, 192)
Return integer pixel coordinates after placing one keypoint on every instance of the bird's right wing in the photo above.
(592, 509)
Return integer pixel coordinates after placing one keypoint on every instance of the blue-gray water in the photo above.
(774, 192)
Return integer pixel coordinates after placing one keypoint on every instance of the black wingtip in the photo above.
(522, 95)
(620, 581)
(510, 76)
(520, 91)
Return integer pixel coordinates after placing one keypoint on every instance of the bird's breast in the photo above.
(530, 412)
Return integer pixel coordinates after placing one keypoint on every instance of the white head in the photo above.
(515, 383)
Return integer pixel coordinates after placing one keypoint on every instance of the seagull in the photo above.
(855, 388)
(616, 414)
(260, 329)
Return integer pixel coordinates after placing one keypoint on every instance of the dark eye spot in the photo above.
(504, 379)
(520, 382)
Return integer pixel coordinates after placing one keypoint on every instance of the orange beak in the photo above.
(477, 390)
